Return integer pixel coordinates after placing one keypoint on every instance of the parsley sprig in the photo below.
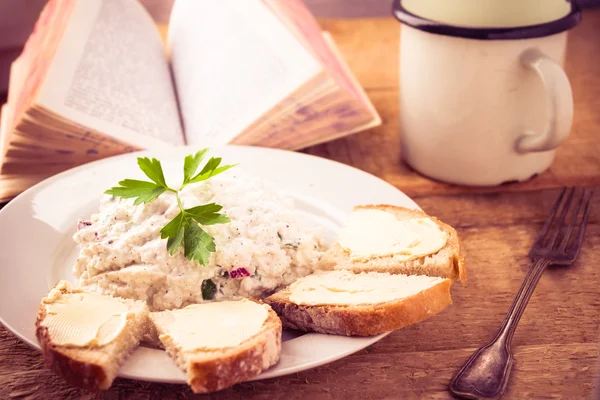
(185, 228)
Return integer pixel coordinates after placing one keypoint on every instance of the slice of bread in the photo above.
(448, 262)
(405, 300)
(212, 369)
(92, 367)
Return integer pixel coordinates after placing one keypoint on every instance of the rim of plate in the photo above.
(272, 372)
(134, 154)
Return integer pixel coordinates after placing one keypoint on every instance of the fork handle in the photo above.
(485, 374)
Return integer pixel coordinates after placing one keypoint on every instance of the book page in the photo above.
(110, 74)
(4, 118)
(232, 62)
(16, 82)
(37, 53)
(299, 18)
(322, 111)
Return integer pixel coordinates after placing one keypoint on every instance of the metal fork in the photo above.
(485, 374)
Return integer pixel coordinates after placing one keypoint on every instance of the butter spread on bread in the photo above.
(374, 232)
(84, 319)
(220, 344)
(351, 304)
(346, 288)
(86, 337)
(215, 325)
(366, 233)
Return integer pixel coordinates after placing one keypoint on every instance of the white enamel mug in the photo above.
(484, 98)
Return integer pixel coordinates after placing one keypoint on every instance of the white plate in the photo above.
(36, 231)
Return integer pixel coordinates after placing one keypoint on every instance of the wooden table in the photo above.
(556, 345)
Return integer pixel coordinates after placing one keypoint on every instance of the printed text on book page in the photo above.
(232, 61)
(110, 74)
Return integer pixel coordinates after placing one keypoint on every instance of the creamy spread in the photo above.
(267, 245)
(347, 288)
(216, 325)
(371, 233)
(84, 319)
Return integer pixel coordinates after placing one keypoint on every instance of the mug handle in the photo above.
(560, 104)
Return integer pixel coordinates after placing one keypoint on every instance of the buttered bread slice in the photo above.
(220, 344)
(85, 337)
(359, 304)
(384, 238)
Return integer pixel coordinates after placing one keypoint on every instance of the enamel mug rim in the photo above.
(488, 33)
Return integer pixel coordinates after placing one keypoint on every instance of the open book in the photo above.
(94, 80)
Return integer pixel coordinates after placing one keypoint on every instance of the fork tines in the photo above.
(571, 211)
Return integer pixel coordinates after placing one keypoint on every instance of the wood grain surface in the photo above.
(557, 343)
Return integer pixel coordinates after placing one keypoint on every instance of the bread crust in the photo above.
(448, 262)
(361, 320)
(211, 371)
(78, 366)
(90, 376)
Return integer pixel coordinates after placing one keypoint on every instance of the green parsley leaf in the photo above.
(153, 170)
(207, 214)
(185, 228)
(142, 191)
(174, 242)
(174, 232)
(191, 164)
(210, 169)
(198, 244)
